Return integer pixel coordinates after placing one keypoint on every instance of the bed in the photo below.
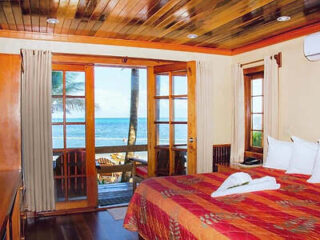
(180, 207)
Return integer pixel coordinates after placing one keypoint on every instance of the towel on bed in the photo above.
(241, 182)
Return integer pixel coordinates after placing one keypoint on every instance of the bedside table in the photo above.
(234, 166)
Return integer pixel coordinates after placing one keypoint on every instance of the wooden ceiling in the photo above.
(222, 24)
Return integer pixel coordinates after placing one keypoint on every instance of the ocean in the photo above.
(112, 132)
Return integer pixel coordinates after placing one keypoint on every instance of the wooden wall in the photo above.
(10, 122)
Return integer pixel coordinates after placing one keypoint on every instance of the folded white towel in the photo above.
(243, 183)
(235, 179)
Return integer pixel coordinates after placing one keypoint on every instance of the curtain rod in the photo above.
(277, 57)
(256, 61)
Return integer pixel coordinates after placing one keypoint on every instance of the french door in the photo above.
(73, 136)
(172, 119)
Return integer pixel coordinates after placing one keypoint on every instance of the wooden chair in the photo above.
(138, 168)
(139, 171)
(103, 169)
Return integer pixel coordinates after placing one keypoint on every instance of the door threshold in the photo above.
(112, 206)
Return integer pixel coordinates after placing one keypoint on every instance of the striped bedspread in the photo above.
(181, 208)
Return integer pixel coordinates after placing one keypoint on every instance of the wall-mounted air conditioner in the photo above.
(312, 47)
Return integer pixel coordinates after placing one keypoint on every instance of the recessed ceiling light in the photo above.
(283, 18)
(192, 35)
(52, 20)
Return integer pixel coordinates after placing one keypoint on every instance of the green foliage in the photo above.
(257, 139)
(71, 87)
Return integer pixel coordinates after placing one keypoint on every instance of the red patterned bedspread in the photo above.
(181, 208)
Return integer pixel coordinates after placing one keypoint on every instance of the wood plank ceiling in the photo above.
(225, 24)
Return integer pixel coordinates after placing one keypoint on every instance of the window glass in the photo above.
(163, 134)
(75, 83)
(57, 83)
(75, 110)
(254, 96)
(256, 87)
(180, 85)
(162, 88)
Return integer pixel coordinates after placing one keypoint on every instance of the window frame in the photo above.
(249, 75)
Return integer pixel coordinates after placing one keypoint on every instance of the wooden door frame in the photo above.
(192, 118)
(190, 68)
(91, 183)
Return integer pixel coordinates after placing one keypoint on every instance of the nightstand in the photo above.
(232, 167)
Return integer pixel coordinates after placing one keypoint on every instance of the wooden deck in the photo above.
(114, 193)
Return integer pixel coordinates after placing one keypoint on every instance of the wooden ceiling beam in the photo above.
(109, 41)
(142, 44)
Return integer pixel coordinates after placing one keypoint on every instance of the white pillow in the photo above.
(279, 154)
(315, 178)
(303, 156)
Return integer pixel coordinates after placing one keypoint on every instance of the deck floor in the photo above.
(114, 193)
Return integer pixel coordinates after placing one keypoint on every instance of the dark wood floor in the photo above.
(86, 226)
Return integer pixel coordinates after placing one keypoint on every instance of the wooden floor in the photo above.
(86, 226)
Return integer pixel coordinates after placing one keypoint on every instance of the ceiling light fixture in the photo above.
(192, 36)
(283, 18)
(52, 20)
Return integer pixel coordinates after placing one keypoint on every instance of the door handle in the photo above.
(191, 140)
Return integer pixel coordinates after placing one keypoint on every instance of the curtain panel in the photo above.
(238, 124)
(205, 121)
(271, 102)
(36, 130)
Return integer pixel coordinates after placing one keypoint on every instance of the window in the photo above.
(254, 110)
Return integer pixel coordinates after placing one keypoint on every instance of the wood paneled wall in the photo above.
(10, 119)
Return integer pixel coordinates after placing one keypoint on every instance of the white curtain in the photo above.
(36, 130)
(204, 106)
(271, 101)
(238, 124)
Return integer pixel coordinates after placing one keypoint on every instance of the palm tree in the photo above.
(71, 87)
(132, 133)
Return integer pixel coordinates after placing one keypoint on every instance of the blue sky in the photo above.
(113, 89)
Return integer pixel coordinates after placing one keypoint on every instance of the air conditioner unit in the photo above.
(312, 47)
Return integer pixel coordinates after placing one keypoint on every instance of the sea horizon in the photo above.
(111, 131)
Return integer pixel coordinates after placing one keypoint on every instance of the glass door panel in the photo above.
(162, 110)
(180, 109)
(180, 134)
(174, 93)
(180, 84)
(69, 135)
(163, 134)
(162, 82)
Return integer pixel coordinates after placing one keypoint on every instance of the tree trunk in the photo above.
(132, 134)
